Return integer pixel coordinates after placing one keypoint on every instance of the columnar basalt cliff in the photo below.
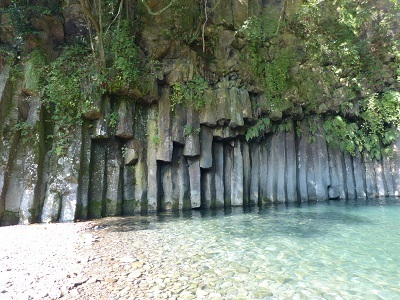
(137, 152)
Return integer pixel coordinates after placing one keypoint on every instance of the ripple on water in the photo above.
(331, 250)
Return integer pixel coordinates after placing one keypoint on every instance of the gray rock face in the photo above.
(219, 176)
(195, 182)
(165, 146)
(124, 127)
(237, 180)
(154, 159)
(254, 174)
(61, 196)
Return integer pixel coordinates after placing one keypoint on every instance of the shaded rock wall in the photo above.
(158, 159)
(148, 162)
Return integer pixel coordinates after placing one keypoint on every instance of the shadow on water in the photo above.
(304, 220)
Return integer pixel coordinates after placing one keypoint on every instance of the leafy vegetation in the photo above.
(188, 130)
(331, 57)
(190, 93)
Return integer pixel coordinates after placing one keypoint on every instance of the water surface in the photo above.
(326, 250)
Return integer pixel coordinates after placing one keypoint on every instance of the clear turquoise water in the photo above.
(326, 250)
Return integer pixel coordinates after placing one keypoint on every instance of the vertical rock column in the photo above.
(62, 187)
(97, 179)
(218, 154)
(113, 190)
(291, 167)
(237, 175)
(84, 174)
(153, 176)
(254, 174)
(207, 167)
(192, 152)
(264, 172)
(246, 174)
(395, 168)
(33, 165)
(139, 169)
(359, 175)
(337, 189)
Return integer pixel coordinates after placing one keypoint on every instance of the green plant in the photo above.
(113, 120)
(19, 15)
(122, 66)
(258, 129)
(188, 130)
(24, 128)
(34, 71)
(375, 129)
(72, 84)
(191, 93)
(331, 54)
(155, 139)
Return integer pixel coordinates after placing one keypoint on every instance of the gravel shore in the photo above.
(111, 258)
(66, 261)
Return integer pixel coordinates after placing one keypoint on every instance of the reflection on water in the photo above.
(325, 250)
